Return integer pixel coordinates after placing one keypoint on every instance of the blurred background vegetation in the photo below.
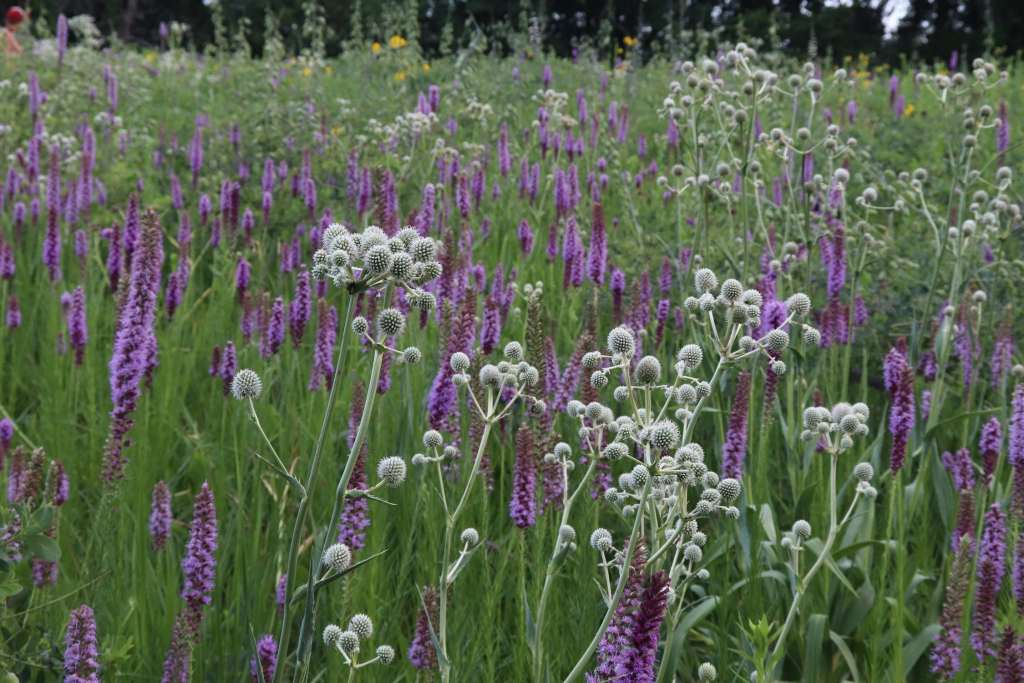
(887, 30)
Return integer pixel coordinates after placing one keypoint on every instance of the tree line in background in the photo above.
(930, 30)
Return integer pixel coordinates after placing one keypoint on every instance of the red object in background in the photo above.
(15, 15)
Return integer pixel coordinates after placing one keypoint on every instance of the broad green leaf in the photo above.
(9, 587)
(916, 646)
(815, 664)
(767, 518)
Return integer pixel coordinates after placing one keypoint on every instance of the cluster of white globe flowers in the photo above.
(739, 310)
(505, 383)
(348, 642)
(372, 260)
(837, 427)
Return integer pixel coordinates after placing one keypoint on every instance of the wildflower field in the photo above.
(503, 366)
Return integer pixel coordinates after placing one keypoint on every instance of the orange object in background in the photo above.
(13, 18)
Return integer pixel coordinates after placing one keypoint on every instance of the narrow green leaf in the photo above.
(844, 650)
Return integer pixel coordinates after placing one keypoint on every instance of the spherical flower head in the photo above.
(361, 625)
(648, 370)
(513, 352)
(799, 304)
(615, 451)
(401, 266)
(432, 439)
(390, 322)
(811, 336)
(850, 423)
(490, 376)
(348, 642)
(802, 529)
(730, 489)
(392, 471)
(686, 394)
(664, 435)
(421, 300)
(777, 340)
(459, 362)
(470, 536)
(706, 280)
(591, 360)
(424, 250)
(639, 476)
(566, 534)
(431, 271)
(386, 654)
(731, 290)
(246, 385)
(693, 554)
(707, 672)
(360, 326)
(378, 259)
(332, 634)
(777, 367)
(864, 471)
(411, 355)
(690, 356)
(337, 557)
(601, 540)
(813, 416)
(621, 341)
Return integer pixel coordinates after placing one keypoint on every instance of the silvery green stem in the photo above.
(449, 530)
(802, 584)
(306, 628)
(549, 574)
(300, 516)
(620, 588)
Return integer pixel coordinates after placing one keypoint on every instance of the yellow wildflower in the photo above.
(375, 48)
(396, 41)
(908, 110)
(426, 68)
(307, 72)
(400, 76)
(629, 41)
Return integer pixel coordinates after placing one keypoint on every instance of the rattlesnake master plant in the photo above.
(651, 430)
(493, 394)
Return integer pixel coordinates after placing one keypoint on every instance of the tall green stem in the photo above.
(620, 588)
(802, 585)
(449, 530)
(306, 629)
(549, 574)
(300, 516)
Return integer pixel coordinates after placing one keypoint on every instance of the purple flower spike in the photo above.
(990, 569)
(735, 449)
(899, 382)
(160, 516)
(522, 507)
(81, 657)
(265, 659)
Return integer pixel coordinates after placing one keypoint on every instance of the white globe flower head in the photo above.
(392, 471)
(361, 625)
(337, 557)
(246, 385)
